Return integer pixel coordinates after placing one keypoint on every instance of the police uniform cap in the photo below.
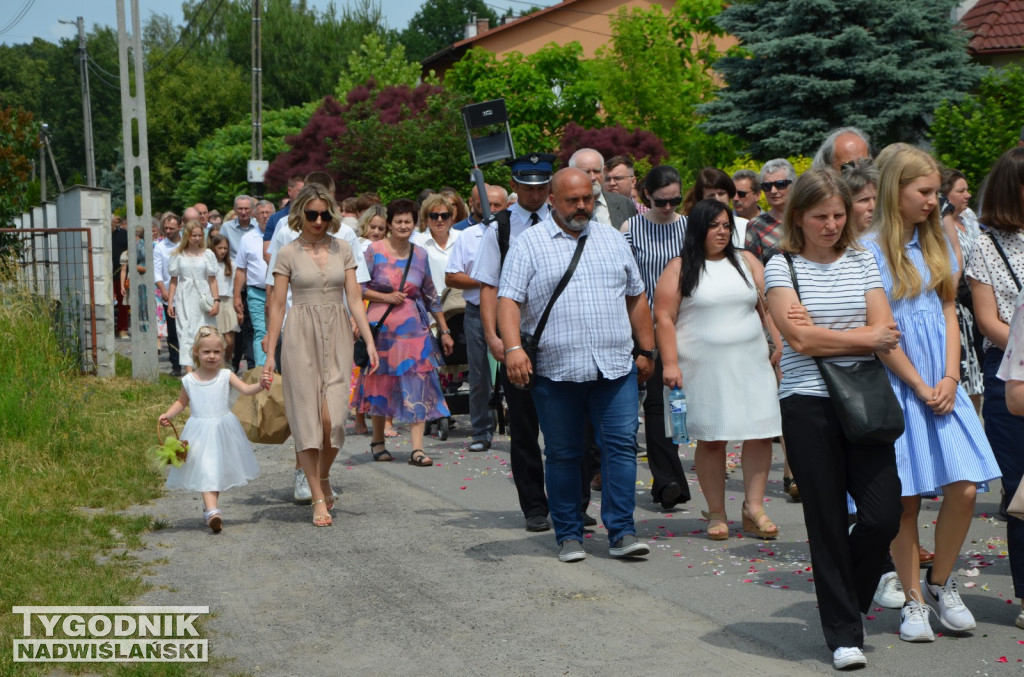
(532, 169)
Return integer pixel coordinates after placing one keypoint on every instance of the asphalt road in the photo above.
(428, 571)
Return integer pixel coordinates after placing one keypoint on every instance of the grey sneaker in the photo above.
(301, 493)
(915, 626)
(628, 546)
(571, 551)
(847, 657)
(953, 613)
(889, 592)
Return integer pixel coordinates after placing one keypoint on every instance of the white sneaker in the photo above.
(846, 657)
(889, 592)
(915, 626)
(953, 613)
(301, 493)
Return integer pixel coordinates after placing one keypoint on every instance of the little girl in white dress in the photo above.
(219, 454)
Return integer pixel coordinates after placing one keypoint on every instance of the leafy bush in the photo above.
(972, 134)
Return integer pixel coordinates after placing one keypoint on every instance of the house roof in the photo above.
(460, 47)
(997, 26)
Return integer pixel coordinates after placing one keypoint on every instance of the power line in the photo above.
(18, 17)
(185, 51)
(101, 69)
(103, 79)
(181, 36)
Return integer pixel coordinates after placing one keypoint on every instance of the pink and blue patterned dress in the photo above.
(406, 384)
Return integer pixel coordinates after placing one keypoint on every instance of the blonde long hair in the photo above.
(186, 233)
(898, 167)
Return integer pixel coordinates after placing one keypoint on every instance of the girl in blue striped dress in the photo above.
(944, 449)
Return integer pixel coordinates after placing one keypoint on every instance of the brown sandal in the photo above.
(718, 525)
(420, 459)
(759, 524)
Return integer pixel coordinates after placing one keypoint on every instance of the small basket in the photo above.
(182, 453)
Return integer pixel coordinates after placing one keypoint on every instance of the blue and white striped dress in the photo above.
(934, 450)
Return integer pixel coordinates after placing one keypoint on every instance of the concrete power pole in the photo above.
(136, 168)
(90, 152)
(257, 167)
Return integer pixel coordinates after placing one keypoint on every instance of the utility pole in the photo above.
(257, 167)
(90, 151)
(136, 168)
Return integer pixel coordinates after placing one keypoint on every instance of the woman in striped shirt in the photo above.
(655, 238)
(841, 315)
(943, 448)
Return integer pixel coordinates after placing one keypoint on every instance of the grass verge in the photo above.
(71, 456)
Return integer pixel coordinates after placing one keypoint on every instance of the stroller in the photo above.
(454, 372)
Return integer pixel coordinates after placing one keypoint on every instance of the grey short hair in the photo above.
(862, 174)
(252, 203)
(264, 202)
(749, 174)
(827, 150)
(777, 165)
(572, 159)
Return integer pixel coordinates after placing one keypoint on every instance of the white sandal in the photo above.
(213, 519)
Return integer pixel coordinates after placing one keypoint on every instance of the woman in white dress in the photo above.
(709, 318)
(193, 299)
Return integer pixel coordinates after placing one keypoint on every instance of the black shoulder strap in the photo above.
(792, 274)
(401, 285)
(561, 287)
(1002, 255)
(504, 221)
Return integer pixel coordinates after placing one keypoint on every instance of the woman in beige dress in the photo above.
(317, 355)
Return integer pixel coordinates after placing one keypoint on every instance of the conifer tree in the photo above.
(812, 65)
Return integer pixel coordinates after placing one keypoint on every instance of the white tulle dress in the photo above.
(219, 454)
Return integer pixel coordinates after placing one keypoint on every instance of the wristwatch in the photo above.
(447, 331)
(649, 354)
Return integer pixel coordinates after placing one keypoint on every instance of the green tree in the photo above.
(653, 53)
(812, 65)
(214, 171)
(304, 50)
(180, 112)
(440, 23)
(543, 92)
(970, 135)
(18, 143)
(374, 60)
(43, 78)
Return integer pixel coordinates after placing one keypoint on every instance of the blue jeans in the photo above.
(610, 405)
(257, 310)
(479, 375)
(1004, 432)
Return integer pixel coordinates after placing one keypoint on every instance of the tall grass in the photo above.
(69, 442)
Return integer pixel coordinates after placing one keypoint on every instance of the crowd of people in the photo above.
(589, 293)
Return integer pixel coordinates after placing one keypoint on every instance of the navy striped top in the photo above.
(653, 246)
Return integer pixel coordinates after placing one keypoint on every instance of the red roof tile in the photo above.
(997, 26)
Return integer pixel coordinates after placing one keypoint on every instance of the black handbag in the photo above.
(360, 355)
(861, 395)
(529, 342)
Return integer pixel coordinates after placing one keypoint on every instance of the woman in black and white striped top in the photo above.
(655, 238)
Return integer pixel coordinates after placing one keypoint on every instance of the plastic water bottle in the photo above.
(677, 410)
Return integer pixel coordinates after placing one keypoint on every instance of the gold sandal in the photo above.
(329, 495)
(759, 524)
(718, 525)
(321, 520)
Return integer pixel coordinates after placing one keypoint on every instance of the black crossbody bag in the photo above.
(360, 355)
(529, 342)
(861, 395)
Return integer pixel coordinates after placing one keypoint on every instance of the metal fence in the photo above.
(56, 264)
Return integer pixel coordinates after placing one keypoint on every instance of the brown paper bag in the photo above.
(262, 415)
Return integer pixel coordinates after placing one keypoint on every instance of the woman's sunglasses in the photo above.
(311, 215)
(666, 201)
